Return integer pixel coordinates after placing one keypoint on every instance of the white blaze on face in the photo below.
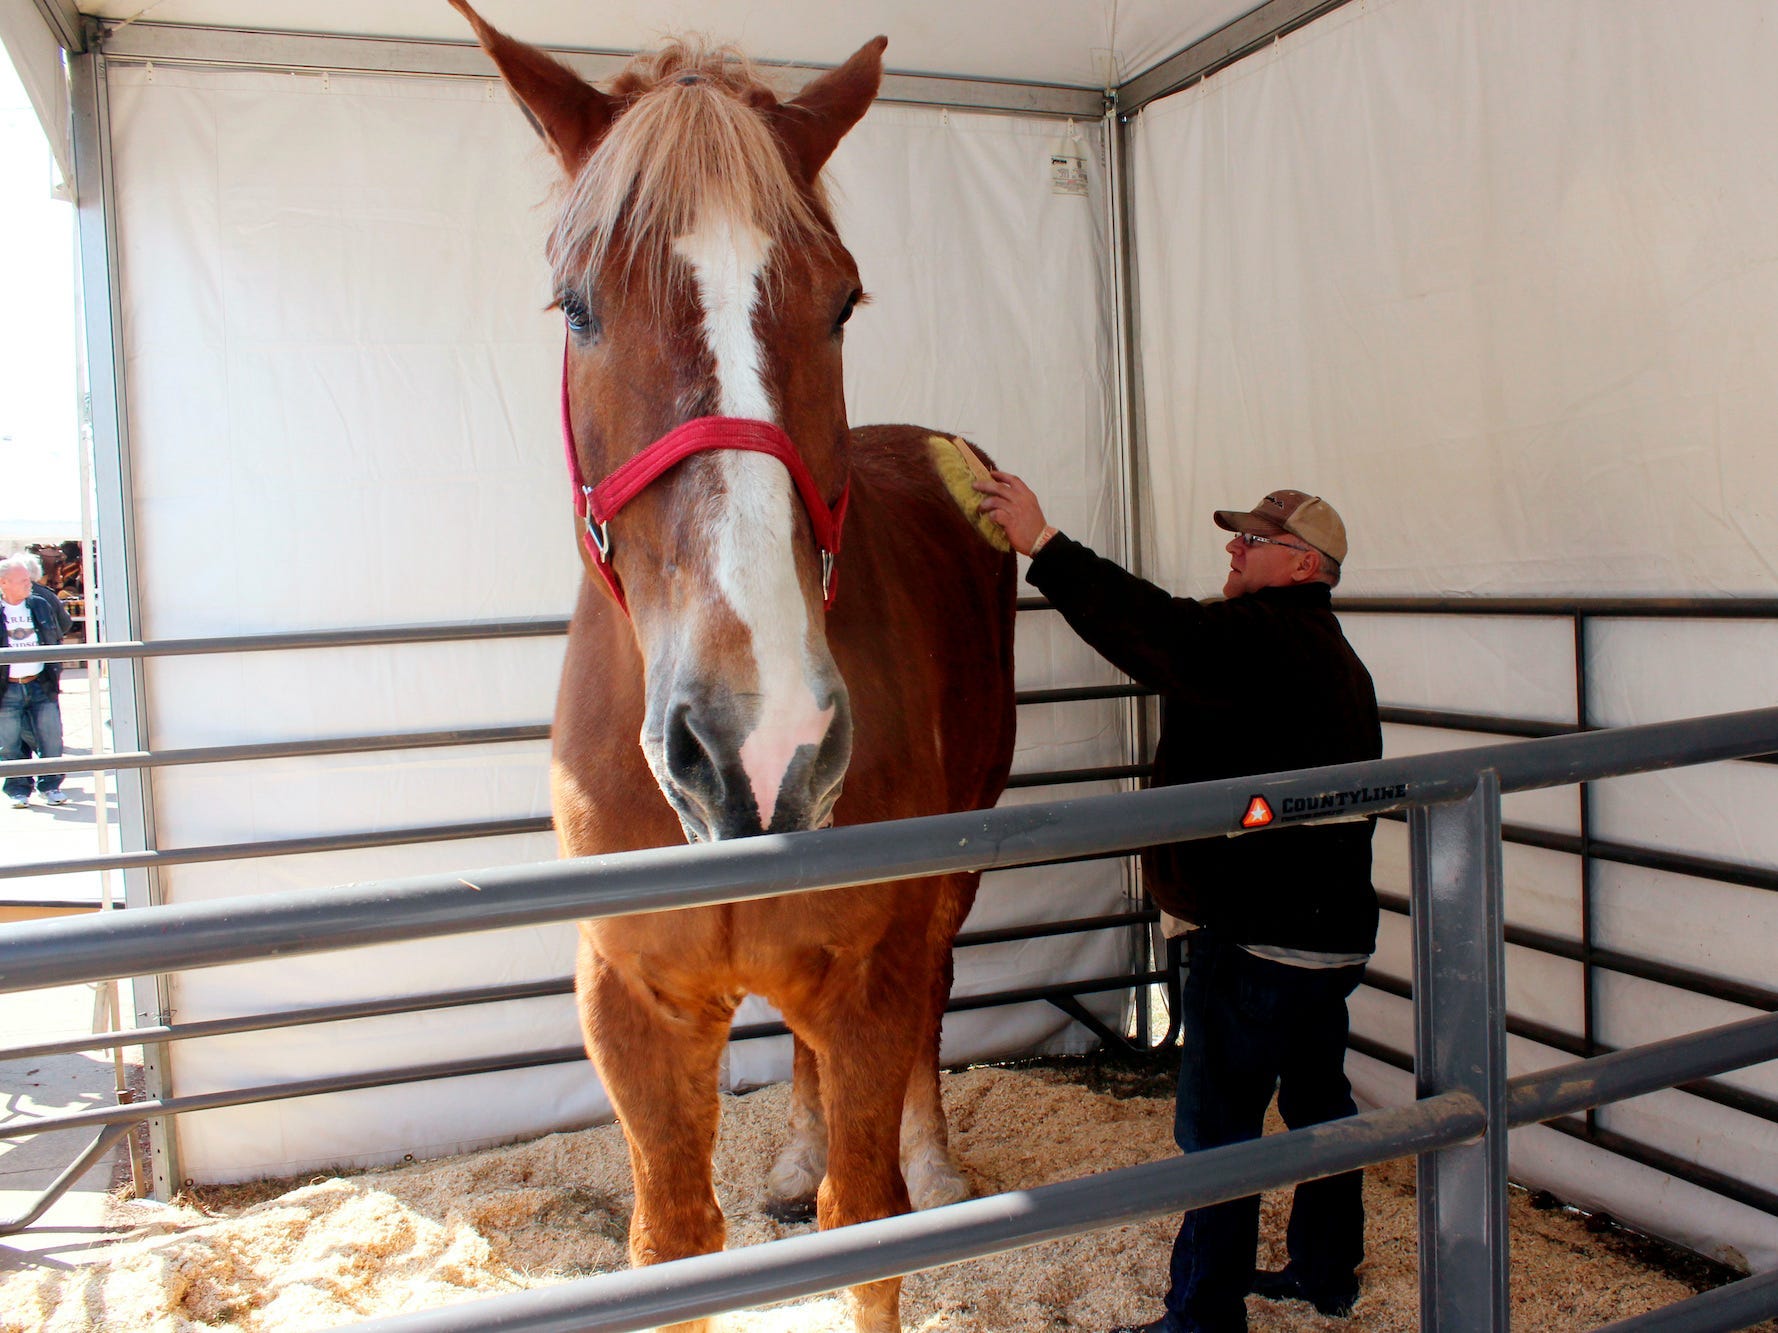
(750, 540)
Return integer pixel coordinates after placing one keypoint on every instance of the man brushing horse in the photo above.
(1260, 682)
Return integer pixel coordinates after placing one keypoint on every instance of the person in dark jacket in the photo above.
(1260, 682)
(29, 694)
(42, 585)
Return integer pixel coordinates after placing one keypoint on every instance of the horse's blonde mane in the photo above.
(693, 140)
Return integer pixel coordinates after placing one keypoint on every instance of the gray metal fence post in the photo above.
(1460, 1045)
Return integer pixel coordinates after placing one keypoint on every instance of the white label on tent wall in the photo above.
(1068, 175)
(1068, 163)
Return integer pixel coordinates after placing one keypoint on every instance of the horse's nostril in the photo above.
(688, 760)
(724, 769)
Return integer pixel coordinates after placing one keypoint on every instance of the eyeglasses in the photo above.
(1251, 539)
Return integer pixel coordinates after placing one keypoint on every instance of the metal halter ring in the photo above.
(597, 532)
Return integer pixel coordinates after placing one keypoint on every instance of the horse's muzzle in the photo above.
(728, 773)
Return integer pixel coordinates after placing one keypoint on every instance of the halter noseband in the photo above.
(597, 505)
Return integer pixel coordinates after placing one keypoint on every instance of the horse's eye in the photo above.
(580, 319)
(846, 310)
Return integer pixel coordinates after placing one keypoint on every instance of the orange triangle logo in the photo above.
(1258, 815)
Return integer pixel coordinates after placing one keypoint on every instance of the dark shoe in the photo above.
(1284, 1286)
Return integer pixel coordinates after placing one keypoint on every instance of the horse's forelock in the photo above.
(692, 140)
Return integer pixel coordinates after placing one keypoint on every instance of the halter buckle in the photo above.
(597, 533)
(827, 562)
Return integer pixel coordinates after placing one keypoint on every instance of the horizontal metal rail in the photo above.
(1629, 608)
(135, 1112)
(120, 761)
(171, 44)
(1069, 777)
(266, 848)
(1402, 989)
(1701, 867)
(387, 1006)
(1482, 723)
(403, 740)
(1632, 1150)
(685, 1289)
(1727, 1040)
(327, 842)
(455, 631)
(167, 939)
(1668, 1163)
(1614, 960)
(1253, 31)
(1486, 724)
(1605, 608)
(1550, 1094)
(1722, 1094)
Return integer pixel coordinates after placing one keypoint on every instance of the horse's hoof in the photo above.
(934, 1182)
(791, 1212)
(795, 1178)
(938, 1193)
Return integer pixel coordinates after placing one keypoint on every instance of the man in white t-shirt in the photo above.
(31, 690)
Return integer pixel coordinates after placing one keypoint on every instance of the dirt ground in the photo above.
(309, 1255)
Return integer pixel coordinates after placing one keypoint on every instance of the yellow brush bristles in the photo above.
(959, 468)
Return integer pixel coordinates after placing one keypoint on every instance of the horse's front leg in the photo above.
(659, 1059)
(796, 1175)
(933, 1178)
(864, 1036)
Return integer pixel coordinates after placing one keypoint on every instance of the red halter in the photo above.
(596, 505)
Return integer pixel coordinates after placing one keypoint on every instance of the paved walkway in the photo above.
(54, 1085)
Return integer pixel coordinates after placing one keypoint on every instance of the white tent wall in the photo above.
(1498, 278)
(342, 405)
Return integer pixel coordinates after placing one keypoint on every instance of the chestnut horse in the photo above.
(705, 290)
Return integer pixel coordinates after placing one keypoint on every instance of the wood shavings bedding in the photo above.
(537, 1213)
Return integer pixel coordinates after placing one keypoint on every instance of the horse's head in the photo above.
(700, 276)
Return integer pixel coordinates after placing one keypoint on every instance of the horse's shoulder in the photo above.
(916, 464)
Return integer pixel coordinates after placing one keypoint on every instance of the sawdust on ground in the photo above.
(349, 1248)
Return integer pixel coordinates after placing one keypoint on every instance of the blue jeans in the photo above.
(1251, 1026)
(25, 705)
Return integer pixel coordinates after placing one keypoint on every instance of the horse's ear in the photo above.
(814, 121)
(570, 114)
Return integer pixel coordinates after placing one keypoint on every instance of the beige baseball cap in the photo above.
(1307, 517)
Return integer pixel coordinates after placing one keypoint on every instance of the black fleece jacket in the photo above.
(1256, 684)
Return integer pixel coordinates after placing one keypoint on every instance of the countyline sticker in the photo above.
(1334, 802)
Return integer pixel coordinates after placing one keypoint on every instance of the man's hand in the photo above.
(1010, 503)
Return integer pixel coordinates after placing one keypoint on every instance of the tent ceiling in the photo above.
(1036, 41)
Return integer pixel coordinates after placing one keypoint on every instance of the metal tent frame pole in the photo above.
(1460, 1046)
(112, 607)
